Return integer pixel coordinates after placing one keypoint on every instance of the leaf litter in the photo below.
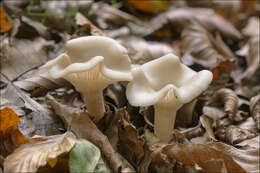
(216, 132)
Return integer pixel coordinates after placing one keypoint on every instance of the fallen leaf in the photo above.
(255, 109)
(207, 124)
(201, 44)
(150, 6)
(10, 135)
(4, 25)
(80, 123)
(248, 159)
(252, 143)
(39, 82)
(30, 156)
(130, 143)
(141, 51)
(229, 99)
(86, 157)
(179, 18)
(201, 155)
(82, 21)
(253, 60)
(251, 28)
(233, 134)
(18, 56)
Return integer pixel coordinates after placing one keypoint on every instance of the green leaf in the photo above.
(86, 157)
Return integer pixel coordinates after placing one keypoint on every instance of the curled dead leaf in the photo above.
(255, 109)
(30, 156)
(202, 45)
(230, 100)
(233, 134)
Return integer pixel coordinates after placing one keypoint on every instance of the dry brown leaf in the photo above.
(251, 29)
(206, 49)
(142, 51)
(202, 155)
(186, 114)
(229, 99)
(253, 61)
(248, 159)
(116, 94)
(80, 123)
(131, 144)
(10, 135)
(233, 134)
(207, 124)
(179, 18)
(39, 82)
(252, 143)
(255, 109)
(22, 54)
(87, 26)
(30, 156)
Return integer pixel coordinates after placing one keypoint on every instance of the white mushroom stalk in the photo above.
(167, 84)
(90, 64)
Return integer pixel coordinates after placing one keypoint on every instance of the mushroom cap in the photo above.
(153, 80)
(84, 53)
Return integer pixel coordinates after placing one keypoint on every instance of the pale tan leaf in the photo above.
(207, 124)
(39, 82)
(30, 156)
(255, 109)
(253, 61)
(230, 100)
(249, 159)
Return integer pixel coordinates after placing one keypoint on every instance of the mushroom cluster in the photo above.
(91, 63)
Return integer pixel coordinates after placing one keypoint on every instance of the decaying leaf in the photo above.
(233, 134)
(86, 157)
(202, 155)
(186, 113)
(142, 51)
(201, 44)
(10, 135)
(39, 82)
(130, 143)
(22, 54)
(182, 17)
(207, 124)
(253, 61)
(255, 109)
(248, 159)
(87, 26)
(251, 29)
(80, 123)
(4, 23)
(252, 143)
(230, 100)
(30, 156)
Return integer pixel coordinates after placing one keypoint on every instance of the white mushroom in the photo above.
(167, 84)
(90, 64)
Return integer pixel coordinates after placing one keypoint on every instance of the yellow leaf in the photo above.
(4, 25)
(52, 162)
(8, 118)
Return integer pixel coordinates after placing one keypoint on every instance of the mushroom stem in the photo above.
(95, 103)
(164, 116)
